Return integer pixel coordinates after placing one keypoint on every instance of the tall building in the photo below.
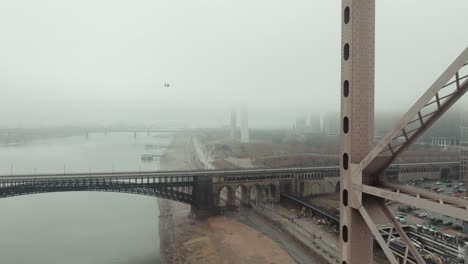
(233, 125)
(439, 142)
(314, 124)
(464, 136)
(464, 129)
(244, 126)
(331, 123)
(464, 165)
(301, 124)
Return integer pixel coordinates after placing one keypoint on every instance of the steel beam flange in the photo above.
(355, 195)
(375, 231)
(419, 202)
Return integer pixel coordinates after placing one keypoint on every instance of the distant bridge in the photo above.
(203, 189)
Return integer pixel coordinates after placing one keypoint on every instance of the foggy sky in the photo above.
(104, 61)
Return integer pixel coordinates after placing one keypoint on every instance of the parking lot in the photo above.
(448, 187)
(419, 216)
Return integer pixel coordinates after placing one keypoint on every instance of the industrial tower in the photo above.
(364, 191)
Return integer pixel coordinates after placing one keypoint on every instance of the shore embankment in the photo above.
(217, 239)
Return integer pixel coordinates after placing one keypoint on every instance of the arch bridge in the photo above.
(204, 190)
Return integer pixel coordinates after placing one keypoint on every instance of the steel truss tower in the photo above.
(364, 191)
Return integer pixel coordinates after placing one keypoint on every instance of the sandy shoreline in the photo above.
(214, 240)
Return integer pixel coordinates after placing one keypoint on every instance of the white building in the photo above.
(439, 142)
(301, 124)
(464, 129)
(244, 127)
(233, 125)
(314, 124)
(331, 123)
(464, 164)
(464, 135)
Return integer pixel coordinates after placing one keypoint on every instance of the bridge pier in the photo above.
(203, 203)
(275, 192)
(243, 195)
(231, 198)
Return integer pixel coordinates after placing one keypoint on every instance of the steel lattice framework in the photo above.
(363, 189)
(178, 188)
(174, 185)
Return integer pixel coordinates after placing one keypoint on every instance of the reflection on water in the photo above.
(80, 227)
(98, 152)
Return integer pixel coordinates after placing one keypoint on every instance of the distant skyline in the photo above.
(102, 61)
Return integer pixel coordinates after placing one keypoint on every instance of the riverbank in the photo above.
(214, 240)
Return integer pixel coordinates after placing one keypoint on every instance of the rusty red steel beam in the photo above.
(414, 111)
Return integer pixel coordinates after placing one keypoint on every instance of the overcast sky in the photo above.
(104, 61)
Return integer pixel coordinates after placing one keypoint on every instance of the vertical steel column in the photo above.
(357, 123)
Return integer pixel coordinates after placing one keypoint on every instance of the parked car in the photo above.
(422, 214)
(400, 219)
(405, 209)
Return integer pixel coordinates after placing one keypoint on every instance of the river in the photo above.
(80, 227)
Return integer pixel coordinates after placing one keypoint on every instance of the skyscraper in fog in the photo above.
(233, 126)
(331, 123)
(244, 126)
(464, 166)
(301, 124)
(464, 128)
(314, 124)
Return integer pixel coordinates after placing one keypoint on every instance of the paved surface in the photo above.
(448, 189)
(299, 254)
(315, 236)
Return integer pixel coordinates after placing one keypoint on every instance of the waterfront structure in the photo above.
(244, 127)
